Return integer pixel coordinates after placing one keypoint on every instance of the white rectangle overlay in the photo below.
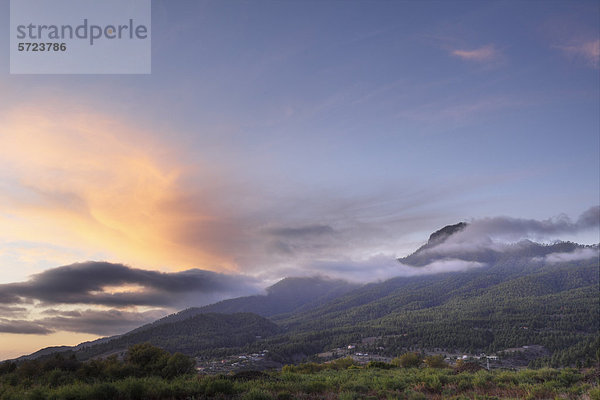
(80, 37)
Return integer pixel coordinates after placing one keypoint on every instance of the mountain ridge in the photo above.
(475, 310)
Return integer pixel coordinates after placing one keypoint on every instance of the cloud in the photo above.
(100, 322)
(383, 267)
(116, 285)
(22, 327)
(518, 228)
(5, 310)
(308, 230)
(485, 53)
(96, 322)
(588, 52)
(78, 185)
(81, 181)
(578, 254)
(442, 266)
(119, 298)
(483, 239)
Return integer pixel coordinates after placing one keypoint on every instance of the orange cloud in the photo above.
(86, 182)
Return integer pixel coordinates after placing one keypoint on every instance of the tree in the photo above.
(147, 358)
(408, 360)
(435, 361)
(178, 364)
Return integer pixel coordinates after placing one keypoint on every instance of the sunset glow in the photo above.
(291, 139)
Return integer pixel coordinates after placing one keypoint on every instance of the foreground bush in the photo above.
(354, 382)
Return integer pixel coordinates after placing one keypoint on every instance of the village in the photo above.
(240, 362)
(367, 351)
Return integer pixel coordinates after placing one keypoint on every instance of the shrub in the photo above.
(347, 396)
(220, 385)
(409, 360)
(257, 394)
(36, 394)
(396, 384)
(464, 384)
(7, 367)
(433, 384)
(71, 392)
(314, 387)
(435, 361)
(133, 389)
(467, 366)
(380, 365)
(481, 379)
(147, 359)
(412, 395)
(305, 368)
(178, 364)
(284, 396)
(56, 378)
(568, 376)
(104, 391)
(9, 394)
(356, 387)
(342, 363)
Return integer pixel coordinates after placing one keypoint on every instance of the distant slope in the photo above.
(514, 302)
(286, 296)
(193, 335)
(63, 349)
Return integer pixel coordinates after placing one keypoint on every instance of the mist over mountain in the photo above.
(457, 242)
(286, 296)
(521, 293)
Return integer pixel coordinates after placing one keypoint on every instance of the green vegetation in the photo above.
(407, 360)
(146, 373)
(192, 336)
(515, 300)
(512, 303)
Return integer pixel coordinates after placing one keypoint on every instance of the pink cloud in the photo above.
(485, 53)
(589, 52)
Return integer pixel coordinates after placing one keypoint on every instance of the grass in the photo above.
(316, 383)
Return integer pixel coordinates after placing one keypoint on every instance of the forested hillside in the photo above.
(193, 335)
(286, 296)
(512, 298)
(510, 304)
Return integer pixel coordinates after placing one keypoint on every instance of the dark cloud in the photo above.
(11, 310)
(23, 327)
(302, 231)
(86, 283)
(96, 322)
(279, 247)
(590, 219)
(100, 322)
(521, 228)
(55, 312)
(120, 287)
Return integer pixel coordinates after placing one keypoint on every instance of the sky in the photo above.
(288, 138)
